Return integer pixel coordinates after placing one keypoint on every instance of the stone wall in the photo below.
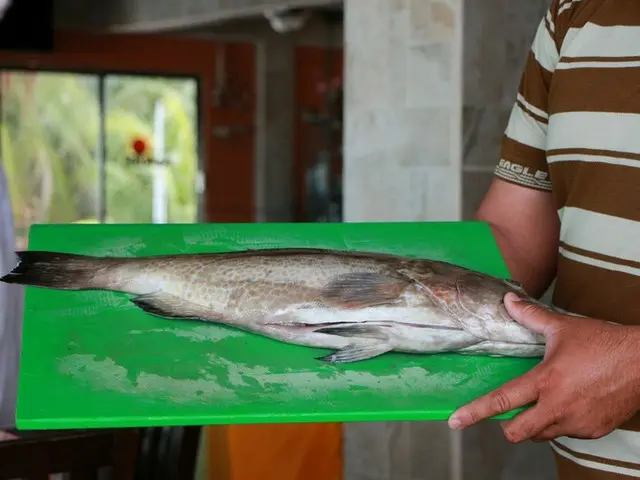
(403, 107)
(430, 86)
(497, 37)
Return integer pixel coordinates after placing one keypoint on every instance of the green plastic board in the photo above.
(92, 360)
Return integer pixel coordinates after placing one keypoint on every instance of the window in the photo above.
(80, 147)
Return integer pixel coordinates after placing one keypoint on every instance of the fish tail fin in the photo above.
(61, 271)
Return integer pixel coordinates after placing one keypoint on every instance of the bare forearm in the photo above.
(535, 272)
(526, 227)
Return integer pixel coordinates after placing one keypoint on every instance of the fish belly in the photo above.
(403, 329)
(493, 348)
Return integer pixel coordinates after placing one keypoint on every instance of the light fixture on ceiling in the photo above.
(285, 19)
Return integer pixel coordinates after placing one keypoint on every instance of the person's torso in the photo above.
(593, 153)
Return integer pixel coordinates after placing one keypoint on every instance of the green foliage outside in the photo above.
(50, 146)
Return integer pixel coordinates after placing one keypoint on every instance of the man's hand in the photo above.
(587, 385)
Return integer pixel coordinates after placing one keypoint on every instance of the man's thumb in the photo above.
(532, 316)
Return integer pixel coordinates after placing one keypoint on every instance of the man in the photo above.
(10, 317)
(565, 204)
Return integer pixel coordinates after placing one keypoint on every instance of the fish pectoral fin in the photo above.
(357, 351)
(370, 342)
(355, 330)
(364, 289)
(164, 304)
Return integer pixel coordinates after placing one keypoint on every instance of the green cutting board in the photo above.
(93, 360)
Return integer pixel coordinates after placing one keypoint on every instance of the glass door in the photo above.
(99, 148)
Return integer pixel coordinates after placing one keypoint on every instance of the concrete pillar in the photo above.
(275, 119)
(403, 158)
(403, 104)
(429, 88)
(277, 112)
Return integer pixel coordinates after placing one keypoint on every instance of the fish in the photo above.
(358, 305)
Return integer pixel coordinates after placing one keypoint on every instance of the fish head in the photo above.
(483, 312)
(483, 295)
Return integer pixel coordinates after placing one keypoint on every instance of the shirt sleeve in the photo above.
(523, 154)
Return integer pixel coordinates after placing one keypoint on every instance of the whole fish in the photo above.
(358, 304)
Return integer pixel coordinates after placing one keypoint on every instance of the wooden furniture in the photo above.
(129, 454)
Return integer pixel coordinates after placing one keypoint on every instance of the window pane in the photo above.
(139, 190)
(48, 144)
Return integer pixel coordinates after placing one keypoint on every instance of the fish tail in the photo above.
(61, 271)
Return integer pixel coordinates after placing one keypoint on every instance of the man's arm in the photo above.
(526, 226)
(588, 382)
(519, 205)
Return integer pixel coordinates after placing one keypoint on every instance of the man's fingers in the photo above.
(530, 315)
(528, 424)
(514, 394)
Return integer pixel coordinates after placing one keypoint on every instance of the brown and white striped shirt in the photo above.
(575, 131)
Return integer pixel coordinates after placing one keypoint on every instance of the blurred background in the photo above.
(266, 111)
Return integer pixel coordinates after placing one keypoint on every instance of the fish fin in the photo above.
(357, 352)
(354, 330)
(364, 289)
(62, 271)
(165, 305)
(376, 343)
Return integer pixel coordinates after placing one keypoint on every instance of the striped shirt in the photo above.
(575, 131)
